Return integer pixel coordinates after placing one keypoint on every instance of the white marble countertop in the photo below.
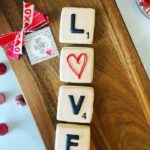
(23, 134)
(139, 28)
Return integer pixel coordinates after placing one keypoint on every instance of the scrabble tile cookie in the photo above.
(77, 64)
(77, 25)
(75, 104)
(72, 137)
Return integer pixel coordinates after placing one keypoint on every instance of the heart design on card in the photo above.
(49, 52)
(77, 63)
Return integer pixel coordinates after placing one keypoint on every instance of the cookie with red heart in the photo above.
(76, 64)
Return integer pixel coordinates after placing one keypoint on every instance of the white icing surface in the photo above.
(64, 110)
(66, 73)
(82, 130)
(85, 19)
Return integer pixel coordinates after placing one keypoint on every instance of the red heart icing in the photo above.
(78, 58)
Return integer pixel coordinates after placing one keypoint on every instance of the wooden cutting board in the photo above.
(121, 118)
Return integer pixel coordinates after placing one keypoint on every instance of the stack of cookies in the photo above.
(75, 103)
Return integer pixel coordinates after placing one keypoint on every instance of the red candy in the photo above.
(3, 68)
(146, 2)
(20, 100)
(3, 129)
(2, 98)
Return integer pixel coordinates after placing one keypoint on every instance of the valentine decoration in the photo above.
(40, 45)
(144, 6)
(32, 20)
(77, 100)
(3, 68)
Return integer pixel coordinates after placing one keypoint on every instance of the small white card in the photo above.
(40, 45)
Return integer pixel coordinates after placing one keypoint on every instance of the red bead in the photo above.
(20, 100)
(2, 98)
(3, 129)
(3, 68)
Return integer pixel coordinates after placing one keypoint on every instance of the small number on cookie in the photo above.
(88, 35)
(84, 116)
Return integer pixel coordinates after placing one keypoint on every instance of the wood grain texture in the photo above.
(121, 118)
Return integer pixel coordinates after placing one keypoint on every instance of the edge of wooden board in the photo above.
(129, 57)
